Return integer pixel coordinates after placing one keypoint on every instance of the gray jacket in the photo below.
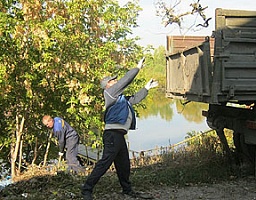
(111, 94)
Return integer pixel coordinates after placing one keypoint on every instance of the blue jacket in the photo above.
(63, 131)
(118, 113)
(117, 104)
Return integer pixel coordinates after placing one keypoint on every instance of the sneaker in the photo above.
(87, 195)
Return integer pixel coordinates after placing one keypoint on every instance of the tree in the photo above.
(174, 13)
(52, 57)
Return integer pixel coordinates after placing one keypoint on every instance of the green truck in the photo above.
(220, 71)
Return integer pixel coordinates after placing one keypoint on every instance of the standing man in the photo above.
(119, 118)
(67, 138)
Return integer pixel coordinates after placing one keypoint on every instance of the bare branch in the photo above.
(170, 15)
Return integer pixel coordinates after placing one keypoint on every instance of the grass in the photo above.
(199, 161)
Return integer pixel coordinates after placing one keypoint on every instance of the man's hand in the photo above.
(61, 154)
(151, 84)
(141, 63)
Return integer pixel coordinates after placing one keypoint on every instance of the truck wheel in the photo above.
(245, 154)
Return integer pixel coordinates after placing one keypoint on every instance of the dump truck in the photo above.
(220, 70)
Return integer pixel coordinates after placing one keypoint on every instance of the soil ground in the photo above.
(239, 189)
(235, 189)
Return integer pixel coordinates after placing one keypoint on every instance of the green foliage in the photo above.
(53, 55)
(209, 139)
(155, 65)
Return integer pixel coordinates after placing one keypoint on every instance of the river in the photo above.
(155, 131)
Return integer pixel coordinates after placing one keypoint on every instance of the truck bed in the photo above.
(225, 74)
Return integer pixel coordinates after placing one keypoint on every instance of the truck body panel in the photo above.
(220, 71)
(189, 74)
(231, 77)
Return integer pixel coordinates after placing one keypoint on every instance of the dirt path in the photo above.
(236, 189)
(244, 189)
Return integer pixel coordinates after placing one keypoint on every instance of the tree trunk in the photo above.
(47, 148)
(35, 152)
(15, 146)
(20, 154)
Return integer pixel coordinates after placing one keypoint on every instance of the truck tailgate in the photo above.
(189, 73)
(229, 75)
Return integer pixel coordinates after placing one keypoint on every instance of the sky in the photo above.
(152, 31)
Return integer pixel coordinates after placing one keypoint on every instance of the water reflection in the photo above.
(156, 104)
(165, 122)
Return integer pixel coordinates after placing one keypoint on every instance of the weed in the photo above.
(197, 160)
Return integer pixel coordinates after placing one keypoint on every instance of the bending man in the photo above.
(67, 138)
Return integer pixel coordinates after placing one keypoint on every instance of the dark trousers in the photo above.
(115, 150)
(71, 154)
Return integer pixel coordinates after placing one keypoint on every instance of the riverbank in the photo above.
(200, 170)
